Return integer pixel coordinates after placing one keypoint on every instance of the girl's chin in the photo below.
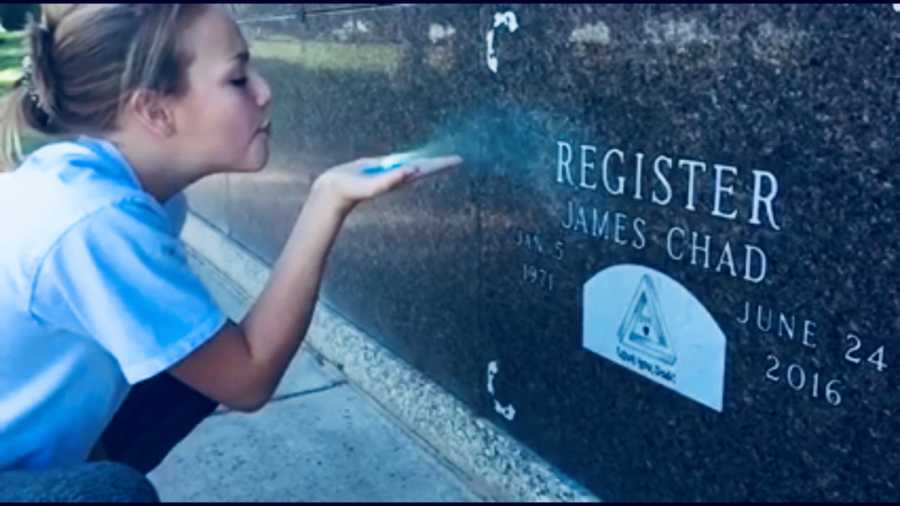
(249, 166)
(254, 159)
(258, 156)
(261, 164)
(265, 157)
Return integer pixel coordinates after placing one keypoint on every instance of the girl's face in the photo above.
(222, 121)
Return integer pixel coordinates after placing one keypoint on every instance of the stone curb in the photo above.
(481, 451)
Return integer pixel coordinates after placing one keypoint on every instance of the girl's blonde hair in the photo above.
(86, 61)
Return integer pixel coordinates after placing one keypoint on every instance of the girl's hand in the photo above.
(348, 184)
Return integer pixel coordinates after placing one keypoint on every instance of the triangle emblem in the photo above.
(643, 328)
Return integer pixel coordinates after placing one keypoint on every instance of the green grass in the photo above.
(384, 58)
(11, 54)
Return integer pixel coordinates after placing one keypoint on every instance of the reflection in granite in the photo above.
(487, 265)
(209, 199)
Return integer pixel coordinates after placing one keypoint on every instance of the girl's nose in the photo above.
(263, 92)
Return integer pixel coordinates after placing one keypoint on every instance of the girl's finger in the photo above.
(433, 165)
(393, 179)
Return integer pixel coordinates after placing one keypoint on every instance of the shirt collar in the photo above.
(105, 148)
(110, 150)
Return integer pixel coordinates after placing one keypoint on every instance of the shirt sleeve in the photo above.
(120, 277)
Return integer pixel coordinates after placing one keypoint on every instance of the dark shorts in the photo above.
(156, 415)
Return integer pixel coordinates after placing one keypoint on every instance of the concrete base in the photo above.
(471, 458)
(318, 440)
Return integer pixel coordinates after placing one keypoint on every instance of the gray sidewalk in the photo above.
(319, 439)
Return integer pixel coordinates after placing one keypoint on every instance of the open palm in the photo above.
(351, 185)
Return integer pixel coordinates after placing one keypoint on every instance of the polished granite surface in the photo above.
(693, 162)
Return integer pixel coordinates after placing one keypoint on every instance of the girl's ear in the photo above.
(153, 112)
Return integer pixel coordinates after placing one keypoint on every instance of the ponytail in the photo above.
(31, 104)
(40, 79)
(11, 122)
(84, 61)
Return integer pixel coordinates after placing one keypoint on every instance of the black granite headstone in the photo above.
(670, 261)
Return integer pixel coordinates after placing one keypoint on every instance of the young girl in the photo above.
(95, 291)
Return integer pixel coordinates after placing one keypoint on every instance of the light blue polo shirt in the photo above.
(95, 295)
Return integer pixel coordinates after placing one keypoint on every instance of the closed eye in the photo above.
(239, 82)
